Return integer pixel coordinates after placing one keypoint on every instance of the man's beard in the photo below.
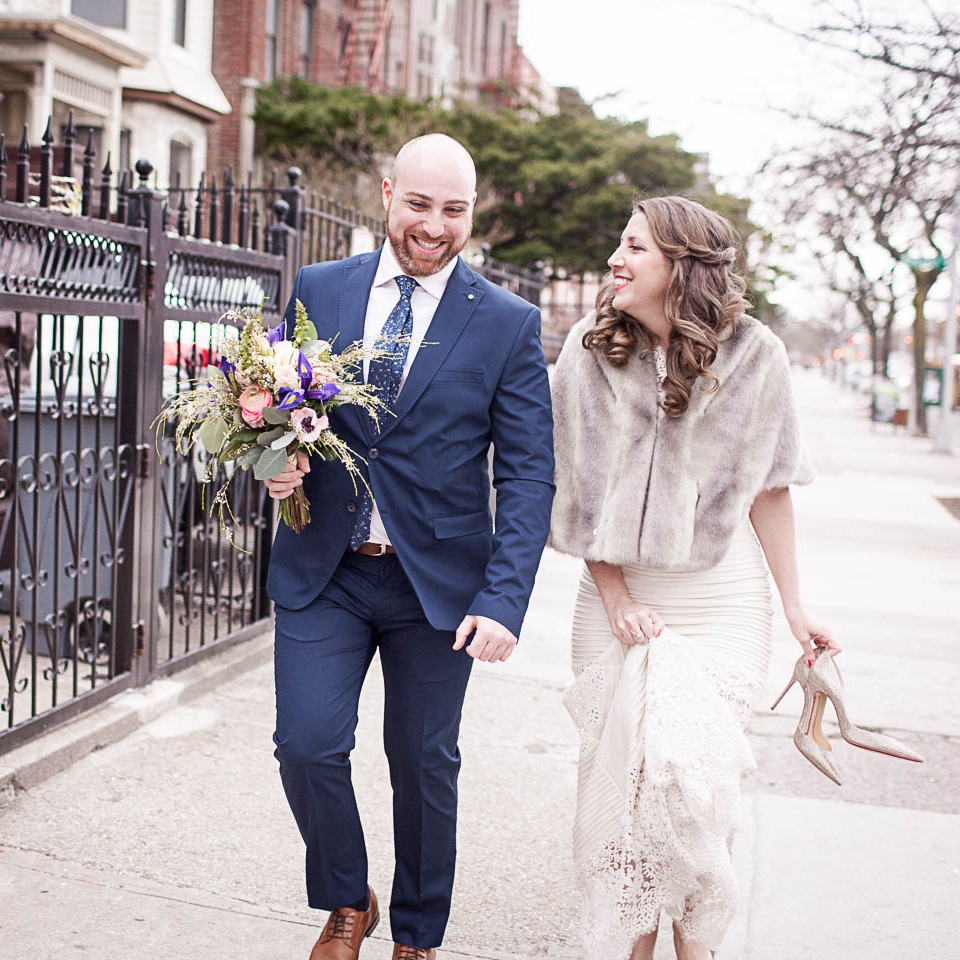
(415, 264)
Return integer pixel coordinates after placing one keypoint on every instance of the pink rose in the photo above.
(252, 401)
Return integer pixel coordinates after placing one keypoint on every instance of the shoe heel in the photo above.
(373, 926)
(776, 702)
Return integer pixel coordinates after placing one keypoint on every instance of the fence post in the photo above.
(284, 241)
(141, 379)
(294, 196)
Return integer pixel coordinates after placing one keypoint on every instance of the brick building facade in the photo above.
(439, 49)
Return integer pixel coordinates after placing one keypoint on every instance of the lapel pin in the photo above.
(469, 296)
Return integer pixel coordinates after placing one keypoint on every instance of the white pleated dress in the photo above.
(662, 748)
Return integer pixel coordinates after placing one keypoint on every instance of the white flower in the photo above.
(286, 376)
(285, 354)
(307, 425)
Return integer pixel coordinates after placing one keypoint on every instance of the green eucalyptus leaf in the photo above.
(266, 438)
(270, 464)
(211, 433)
(281, 442)
(275, 416)
(251, 457)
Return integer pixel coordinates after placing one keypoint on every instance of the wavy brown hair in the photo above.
(704, 297)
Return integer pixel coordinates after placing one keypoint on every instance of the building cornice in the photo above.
(173, 100)
(72, 30)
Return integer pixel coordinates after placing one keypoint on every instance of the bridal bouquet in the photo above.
(267, 398)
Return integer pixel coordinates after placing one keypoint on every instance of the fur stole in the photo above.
(633, 487)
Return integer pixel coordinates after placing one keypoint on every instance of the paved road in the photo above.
(175, 841)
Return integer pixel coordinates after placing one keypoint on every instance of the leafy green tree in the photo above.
(555, 188)
(341, 137)
(562, 185)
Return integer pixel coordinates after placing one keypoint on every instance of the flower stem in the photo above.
(295, 510)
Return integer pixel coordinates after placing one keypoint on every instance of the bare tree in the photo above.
(926, 45)
(882, 179)
(923, 39)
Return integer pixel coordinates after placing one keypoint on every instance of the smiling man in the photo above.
(428, 229)
(417, 573)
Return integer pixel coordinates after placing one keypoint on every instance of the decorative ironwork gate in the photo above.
(112, 571)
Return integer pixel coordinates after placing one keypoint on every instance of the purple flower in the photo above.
(289, 399)
(304, 370)
(276, 334)
(325, 392)
(229, 370)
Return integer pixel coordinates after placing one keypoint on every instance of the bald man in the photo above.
(419, 573)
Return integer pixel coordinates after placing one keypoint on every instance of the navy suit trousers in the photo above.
(322, 653)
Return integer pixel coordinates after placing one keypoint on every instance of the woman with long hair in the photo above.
(676, 441)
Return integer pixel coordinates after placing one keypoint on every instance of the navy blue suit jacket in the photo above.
(479, 378)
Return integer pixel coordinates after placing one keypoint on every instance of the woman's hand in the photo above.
(811, 633)
(632, 622)
(281, 486)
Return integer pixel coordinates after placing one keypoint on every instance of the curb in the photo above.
(30, 764)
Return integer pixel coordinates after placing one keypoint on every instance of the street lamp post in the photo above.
(943, 440)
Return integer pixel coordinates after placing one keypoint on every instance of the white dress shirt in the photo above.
(384, 295)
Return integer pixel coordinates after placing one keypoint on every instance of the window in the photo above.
(181, 155)
(180, 22)
(424, 86)
(485, 40)
(425, 48)
(124, 151)
(343, 36)
(104, 13)
(307, 12)
(270, 43)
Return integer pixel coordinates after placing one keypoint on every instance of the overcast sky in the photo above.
(721, 80)
(696, 68)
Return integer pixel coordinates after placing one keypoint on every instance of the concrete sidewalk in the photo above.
(174, 841)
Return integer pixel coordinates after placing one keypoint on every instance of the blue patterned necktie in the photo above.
(385, 373)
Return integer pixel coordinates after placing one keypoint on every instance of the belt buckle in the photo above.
(383, 550)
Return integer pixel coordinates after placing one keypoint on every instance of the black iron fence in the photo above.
(112, 569)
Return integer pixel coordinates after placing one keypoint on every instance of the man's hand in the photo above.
(491, 641)
(281, 486)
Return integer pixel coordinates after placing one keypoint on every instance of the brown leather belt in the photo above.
(374, 549)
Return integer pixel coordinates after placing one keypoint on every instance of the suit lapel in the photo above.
(354, 295)
(352, 313)
(460, 299)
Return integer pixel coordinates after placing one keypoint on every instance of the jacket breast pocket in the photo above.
(461, 525)
(462, 376)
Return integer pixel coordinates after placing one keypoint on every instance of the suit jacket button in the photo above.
(351, 507)
(373, 453)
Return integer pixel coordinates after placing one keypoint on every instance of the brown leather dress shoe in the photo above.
(402, 952)
(345, 930)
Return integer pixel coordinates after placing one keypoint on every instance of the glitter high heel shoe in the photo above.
(809, 737)
(822, 682)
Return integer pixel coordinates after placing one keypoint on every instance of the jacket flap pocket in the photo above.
(465, 376)
(461, 525)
